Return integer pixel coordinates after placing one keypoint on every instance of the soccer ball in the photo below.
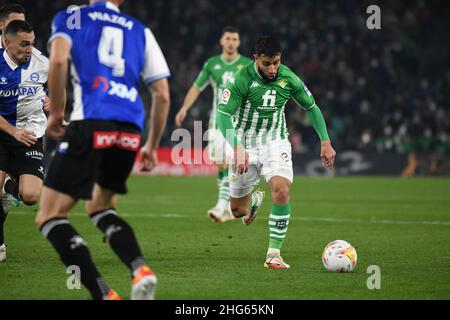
(339, 256)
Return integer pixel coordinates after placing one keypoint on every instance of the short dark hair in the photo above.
(267, 45)
(17, 26)
(230, 29)
(8, 8)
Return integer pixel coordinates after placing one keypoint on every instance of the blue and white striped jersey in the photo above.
(22, 91)
(110, 53)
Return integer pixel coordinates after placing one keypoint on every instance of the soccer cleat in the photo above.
(143, 285)
(220, 216)
(276, 263)
(215, 214)
(112, 295)
(2, 252)
(254, 209)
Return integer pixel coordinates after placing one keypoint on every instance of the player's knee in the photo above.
(238, 211)
(30, 197)
(280, 195)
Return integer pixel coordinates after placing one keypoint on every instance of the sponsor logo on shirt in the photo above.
(114, 88)
(226, 94)
(24, 91)
(122, 140)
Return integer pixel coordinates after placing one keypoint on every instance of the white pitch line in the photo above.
(173, 215)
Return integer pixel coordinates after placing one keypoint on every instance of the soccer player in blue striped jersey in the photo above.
(110, 53)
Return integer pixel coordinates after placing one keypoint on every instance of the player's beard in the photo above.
(265, 78)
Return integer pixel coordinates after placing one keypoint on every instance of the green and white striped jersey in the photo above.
(258, 105)
(217, 72)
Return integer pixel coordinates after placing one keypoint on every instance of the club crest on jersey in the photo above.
(114, 88)
(3, 80)
(34, 77)
(282, 83)
(226, 94)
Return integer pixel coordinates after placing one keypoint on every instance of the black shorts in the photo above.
(93, 151)
(18, 159)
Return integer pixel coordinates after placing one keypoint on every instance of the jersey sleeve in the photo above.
(155, 67)
(202, 80)
(301, 94)
(63, 27)
(233, 95)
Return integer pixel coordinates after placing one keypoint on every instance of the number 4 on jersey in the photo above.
(110, 50)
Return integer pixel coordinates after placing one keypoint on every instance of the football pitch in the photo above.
(400, 225)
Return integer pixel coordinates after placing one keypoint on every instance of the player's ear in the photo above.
(255, 57)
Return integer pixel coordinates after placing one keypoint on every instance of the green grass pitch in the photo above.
(400, 225)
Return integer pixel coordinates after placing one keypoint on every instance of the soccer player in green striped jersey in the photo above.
(259, 137)
(217, 71)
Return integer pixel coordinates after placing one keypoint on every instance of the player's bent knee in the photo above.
(238, 211)
(281, 195)
(30, 197)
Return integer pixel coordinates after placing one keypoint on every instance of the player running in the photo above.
(110, 53)
(217, 72)
(23, 80)
(257, 99)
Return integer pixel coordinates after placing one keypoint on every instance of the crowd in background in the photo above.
(384, 90)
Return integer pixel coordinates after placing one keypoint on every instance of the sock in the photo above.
(12, 187)
(120, 237)
(72, 250)
(2, 223)
(278, 224)
(224, 191)
(254, 200)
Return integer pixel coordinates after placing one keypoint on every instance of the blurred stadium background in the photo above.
(385, 93)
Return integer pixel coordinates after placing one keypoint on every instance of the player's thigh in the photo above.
(242, 185)
(277, 161)
(28, 160)
(117, 162)
(73, 168)
(5, 151)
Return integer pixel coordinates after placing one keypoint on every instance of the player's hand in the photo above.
(240, 160)
(56, 126)
(179, 118)
(149, 158)
(25, 136)
(47, 104)
(327, 154)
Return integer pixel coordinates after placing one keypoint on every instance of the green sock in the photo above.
(278, 224)
(224, 186)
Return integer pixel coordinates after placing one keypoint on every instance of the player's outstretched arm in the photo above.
(158, 115)
(189, 100)
(327, 152)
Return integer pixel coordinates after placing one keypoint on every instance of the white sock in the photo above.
(222, 204)
(273, 252)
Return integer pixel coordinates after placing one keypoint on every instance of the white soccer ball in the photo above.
(339, 256)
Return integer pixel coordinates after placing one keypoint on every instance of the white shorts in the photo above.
(218, 148)
(270, 160)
